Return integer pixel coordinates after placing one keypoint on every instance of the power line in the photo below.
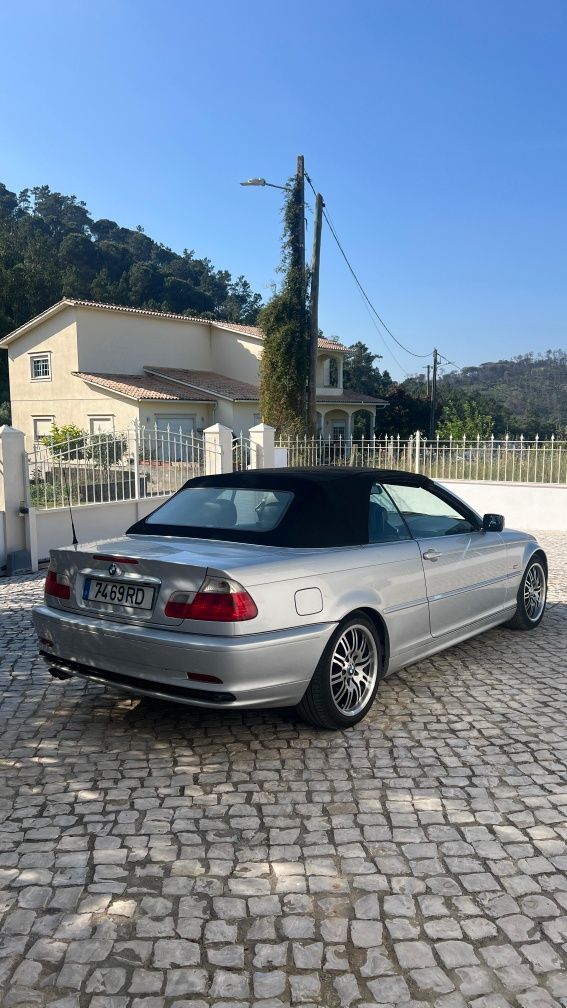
(365, 295)
(452, 363)
(370, 307)
(361, 288)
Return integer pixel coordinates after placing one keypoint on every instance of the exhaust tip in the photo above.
(58, 673)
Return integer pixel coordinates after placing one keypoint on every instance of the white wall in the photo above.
(112, 342)
(524, 506)
(234, 355)
(2, 541)
(92, 521)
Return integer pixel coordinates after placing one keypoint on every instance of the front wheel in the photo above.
(532, 595)
(345, 681)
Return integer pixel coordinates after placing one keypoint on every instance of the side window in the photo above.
(385, 524)
(101, 424)
(426, 514)
(40, 365)
(42, 427)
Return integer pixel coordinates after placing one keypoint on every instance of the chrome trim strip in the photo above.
(468, 588)
(405, 605)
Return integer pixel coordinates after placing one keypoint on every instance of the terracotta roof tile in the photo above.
(144, 387)
(136, 311)
(329, 344)
(185, 385)
(210, 381)
(247, 330)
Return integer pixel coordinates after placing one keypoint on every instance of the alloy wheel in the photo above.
(534, 592)
(354, 669)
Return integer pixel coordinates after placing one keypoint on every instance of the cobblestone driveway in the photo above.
(154, 857)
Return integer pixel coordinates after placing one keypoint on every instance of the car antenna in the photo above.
(75, 540)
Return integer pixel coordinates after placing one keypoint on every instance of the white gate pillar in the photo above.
(262, 454)
(14, 492)
(218, 450)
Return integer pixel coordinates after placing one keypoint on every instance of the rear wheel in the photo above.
(532, 595)
(345, 681)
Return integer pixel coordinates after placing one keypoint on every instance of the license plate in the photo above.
(118, 593)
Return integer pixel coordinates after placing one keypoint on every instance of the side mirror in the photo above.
(493, 522)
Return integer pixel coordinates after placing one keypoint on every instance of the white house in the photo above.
(102, 367)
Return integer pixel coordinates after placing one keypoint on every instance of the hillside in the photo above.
(527, 394)
(50, 247)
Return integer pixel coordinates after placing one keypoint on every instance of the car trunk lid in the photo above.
(130, 579)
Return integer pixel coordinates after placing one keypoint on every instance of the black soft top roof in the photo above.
(329, 506)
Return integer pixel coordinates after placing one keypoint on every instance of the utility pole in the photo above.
(297, 242)
(300, 249)
(314, 317)
(428, 380)
(301, 215)
(433, 400)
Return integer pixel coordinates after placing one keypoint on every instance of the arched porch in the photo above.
(363, 421)
(337, 422)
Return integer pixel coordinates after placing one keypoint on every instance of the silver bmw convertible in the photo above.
(271, 588)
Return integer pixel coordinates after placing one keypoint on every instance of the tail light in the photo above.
(218, 599)
(56, 585)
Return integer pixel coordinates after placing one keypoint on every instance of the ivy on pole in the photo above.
(285, 360)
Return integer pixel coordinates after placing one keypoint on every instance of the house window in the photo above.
(331, 372)
(40, 367)
(101, 424)
(42, 427)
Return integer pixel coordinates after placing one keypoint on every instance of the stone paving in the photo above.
(156, 857)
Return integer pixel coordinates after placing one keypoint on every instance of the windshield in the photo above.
(245, 509)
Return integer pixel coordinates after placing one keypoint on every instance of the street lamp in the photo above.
(262, 182)
(313, 334)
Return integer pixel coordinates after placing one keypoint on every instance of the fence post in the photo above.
(14, 495)
(136, 461)
(417, 447)
(218, 449)
(262, 454)
(30, 519)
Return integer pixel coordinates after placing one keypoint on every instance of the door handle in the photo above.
(431, 554)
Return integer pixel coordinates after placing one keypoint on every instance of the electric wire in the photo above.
(370, 307)
(447, 361)
(360, 287)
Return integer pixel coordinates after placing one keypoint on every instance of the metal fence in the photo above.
(141, 462)
(146, 462)
(244, 453)
(509, 460)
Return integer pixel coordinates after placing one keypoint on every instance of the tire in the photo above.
(532, 595)
(341, 691)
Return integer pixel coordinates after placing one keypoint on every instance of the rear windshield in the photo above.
(245, 509)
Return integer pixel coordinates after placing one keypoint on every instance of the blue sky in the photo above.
(435, 129)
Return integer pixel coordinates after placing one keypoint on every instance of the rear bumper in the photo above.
(256, 670)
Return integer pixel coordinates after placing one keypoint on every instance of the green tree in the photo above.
(461, 419)
(361, 373)
(285, 360)
(404, 415)
(106, 449)
(67, 441)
